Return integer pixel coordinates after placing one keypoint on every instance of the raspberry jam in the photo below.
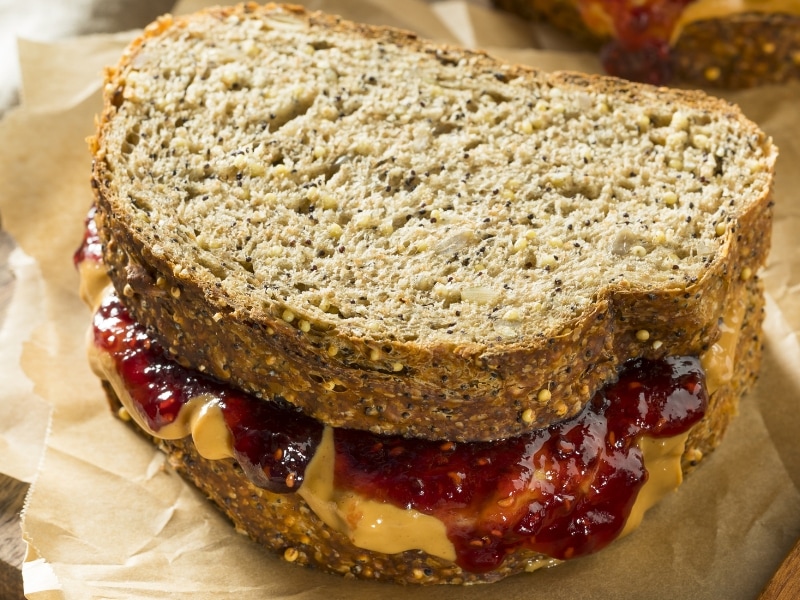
(640, 50)
(271, 441)
(564, 491)
(91, 248)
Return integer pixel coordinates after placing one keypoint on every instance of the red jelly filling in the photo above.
(272, 441)
(91, 248)
(564, 491)
(641, 49)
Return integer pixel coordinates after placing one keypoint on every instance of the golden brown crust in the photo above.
(488, 388)
(723, 404)
(286, 526)
(684, 320)
(738, 51)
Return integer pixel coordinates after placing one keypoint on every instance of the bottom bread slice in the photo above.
(286, 525)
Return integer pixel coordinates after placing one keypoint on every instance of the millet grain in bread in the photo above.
(749, 50)
(530, 224)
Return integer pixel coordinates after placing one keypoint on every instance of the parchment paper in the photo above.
(105, 516)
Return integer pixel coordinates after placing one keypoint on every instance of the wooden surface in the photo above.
(785, 584)
(12, 548)
(12, 492)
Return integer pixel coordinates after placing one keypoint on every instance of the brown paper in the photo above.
(24, 416)
(106, 517)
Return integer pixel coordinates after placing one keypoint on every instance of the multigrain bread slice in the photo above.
(409, 238)
(287, 526)
(722, 46)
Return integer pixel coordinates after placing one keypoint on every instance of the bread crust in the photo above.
(286, 526)
(488, 387)
(723, 403)
(738, 51)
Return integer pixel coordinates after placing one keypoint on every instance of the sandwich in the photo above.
(706, 43)
(406, 312)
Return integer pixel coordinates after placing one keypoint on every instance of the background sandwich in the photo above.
(706, 43)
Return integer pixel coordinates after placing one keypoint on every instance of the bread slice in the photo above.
(410, 238)
(735, 50)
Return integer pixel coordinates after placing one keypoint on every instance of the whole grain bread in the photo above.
(409, 238)
(740, 50)
(286, 526)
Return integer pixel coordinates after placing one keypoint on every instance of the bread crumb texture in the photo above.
(356, 183)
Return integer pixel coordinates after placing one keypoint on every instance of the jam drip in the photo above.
(640, 50)
(272, 441)
(91, 248)
(565, 491)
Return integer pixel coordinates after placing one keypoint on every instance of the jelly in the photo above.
(90, 248)
(272, 441)
(640, 50)
(564, 491)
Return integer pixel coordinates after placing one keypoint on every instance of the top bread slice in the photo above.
(410, 238)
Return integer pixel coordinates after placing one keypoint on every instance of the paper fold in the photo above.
(24, 416)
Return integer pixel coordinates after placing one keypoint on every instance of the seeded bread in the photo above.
(736, 51)
(285, 525)
(410, 238)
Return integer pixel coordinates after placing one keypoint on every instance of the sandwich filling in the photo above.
(564, 491)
